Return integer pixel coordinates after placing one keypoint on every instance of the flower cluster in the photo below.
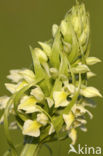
(49, 101)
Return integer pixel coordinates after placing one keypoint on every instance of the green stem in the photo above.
(6, 125)
(30, 150)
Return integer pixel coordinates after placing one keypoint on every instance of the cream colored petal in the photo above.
(64, 27)
(41, 55)
(68, 118)
(15, 76)
(31, 128)
(28, 104)
(20, 85)
(83, 38)
(46, 67)
(76, 22)
(67, 47)
(90, 92)
(3, 101)
(79, 110)
(89, 104)
(46, 47)
(83, 128)
(54, 72)
(50, 102)
(54, 29)
(51, 130)
(82, 121)
(71, 88)
(15, 87)
(73, 135)
(81, 68)
(27, 75)
(76, 124)
(11, 87)
(37, 93)
(60, 98)
(90, 75)
(13, 125)
(92, 60)
(42, 119)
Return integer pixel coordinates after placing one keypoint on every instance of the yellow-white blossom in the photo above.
(60, 98)
(18, 75)
(15, 87)
(71, 88)
(81, 68)
(15, 76)
(90, 92)
(73, 135)
(92, 60)
(50, 101)
(11, 87)
(42, 119)
(80, 110)
(68, 118)
(27, 75)
(28, 104)
(37, 93)
(31, 128)
(90, 74)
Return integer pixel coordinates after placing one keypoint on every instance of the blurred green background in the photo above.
(23, 23)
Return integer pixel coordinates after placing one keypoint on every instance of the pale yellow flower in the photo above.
(42, 119)
(51, 130)
(80, 110)
(73, 135)
(37, 93)
(90, 92)
(15, 87)
(31, 128)
(68, 118)
(92, 60)
(28, 104)
(60, 98)
(18, 75)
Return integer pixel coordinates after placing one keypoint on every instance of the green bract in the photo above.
(48, 101)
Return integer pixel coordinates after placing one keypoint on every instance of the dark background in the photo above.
(23, 23)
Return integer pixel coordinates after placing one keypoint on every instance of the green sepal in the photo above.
(56, 50)
(57, 86)
(57, 123)
(39, 72)
(63, 70)
(46, 86)
(75, 49)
